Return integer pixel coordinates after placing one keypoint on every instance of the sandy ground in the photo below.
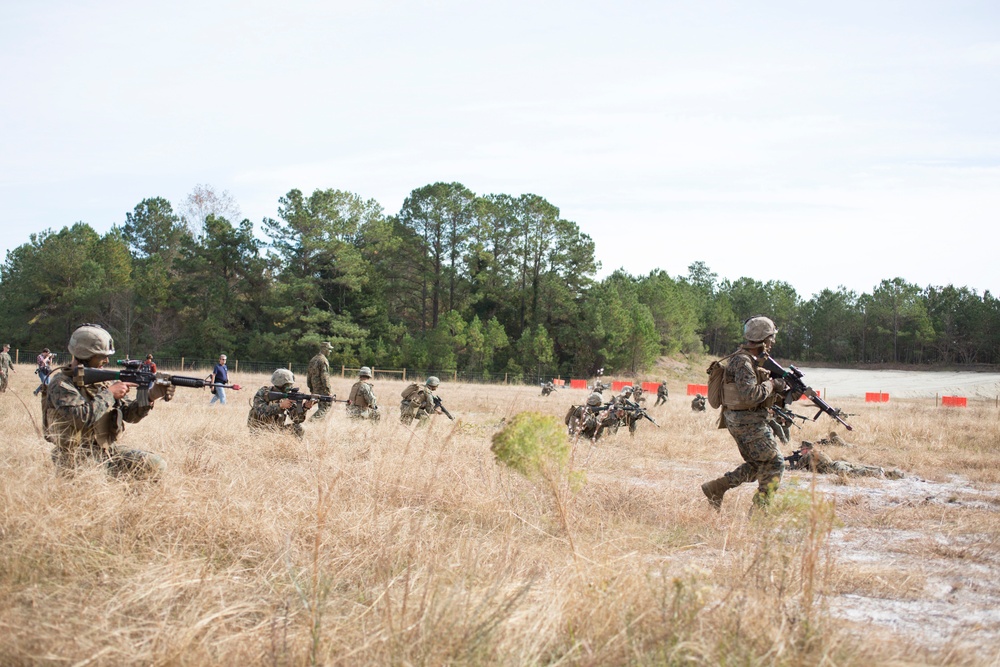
(843, 383)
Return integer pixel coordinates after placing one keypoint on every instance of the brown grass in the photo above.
(381, 544)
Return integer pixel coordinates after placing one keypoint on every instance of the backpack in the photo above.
(410, 391)
(716, 379)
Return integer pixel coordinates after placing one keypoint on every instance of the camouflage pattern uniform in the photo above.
(637, 394)
(85, 421)
(749, 392)
(318, 379)
(6, 364)
(417, 403)
(815, 460)
(269, 415)
(781, 427)
(361, 403)
(661, 394)
(548, 388)
(698, 403)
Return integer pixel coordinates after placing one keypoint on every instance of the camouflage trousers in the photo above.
(4, 379)
(763, 461)
(660, 398)
(323, 408)
(853, 469)
(121, 463)
(354, 412)
(408, 411)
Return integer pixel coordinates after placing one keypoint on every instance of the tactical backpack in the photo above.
(717, 379)
(410, 391)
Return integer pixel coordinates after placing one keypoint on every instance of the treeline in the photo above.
(484, 285)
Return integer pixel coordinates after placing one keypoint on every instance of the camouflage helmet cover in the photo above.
(325, 346)
(627, 390)
(758, 328)
(594, 399)
(90, 340)
(432, 381)
(282, 377)
(364, 372)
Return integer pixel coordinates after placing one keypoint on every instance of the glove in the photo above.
(163, 390)
(779, 385)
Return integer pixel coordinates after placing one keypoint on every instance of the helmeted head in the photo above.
(282, 377)
(433, 382)
(325, 347)
(806, 445)
(627, 391)
(91, 340)
(6, 346)
(365, 372)
(594, 400)
(758, 329)
(699, 396)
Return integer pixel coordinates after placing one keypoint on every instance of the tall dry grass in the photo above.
(383, 544)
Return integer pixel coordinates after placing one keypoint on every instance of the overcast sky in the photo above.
(822, 144)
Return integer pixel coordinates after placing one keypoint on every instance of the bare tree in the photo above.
(205, 201)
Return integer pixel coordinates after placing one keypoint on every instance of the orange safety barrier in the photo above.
(577, 384)
(697, 389)
(618, 385)
(806, 398)
(650, 386)
(955, 401)
(876, 397)
(559, 383)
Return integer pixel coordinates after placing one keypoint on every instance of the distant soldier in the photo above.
(84, 421)
(781, 426)
(418, 401)
(548, 388)
(637, 394)
(808, 457)
(698, 403)
(318, 378)
(6, 367)
(590, 420)
(271, 414)
(626, 395)
(361, 403)
(833, 440)
(661, 394)
(43, 368)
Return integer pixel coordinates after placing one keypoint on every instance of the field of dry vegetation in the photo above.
(383, 544)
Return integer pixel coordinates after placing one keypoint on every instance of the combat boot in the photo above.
(715, 489)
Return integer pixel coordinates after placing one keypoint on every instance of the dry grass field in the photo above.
(381, 544)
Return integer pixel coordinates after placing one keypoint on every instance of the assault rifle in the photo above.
(437, 404)
(145, 380)
(295, 395)
(794, 458)
(634, 408)
(793, 378)
(788, 415)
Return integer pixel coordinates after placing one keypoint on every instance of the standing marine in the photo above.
(278, 414)
(747, 393)
(661, 393)
(85, 421)
(418, 401)
(318, 378)
(6, 367)
(361, 404)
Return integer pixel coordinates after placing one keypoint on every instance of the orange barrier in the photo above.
(617, 385)
(559, 383)
(650, 386)
(577, 384)
(876, 397)
(955, 401)
(697, 389)
(806, 398)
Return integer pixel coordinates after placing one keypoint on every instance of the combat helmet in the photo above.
(432, 382)
(594, 400)
(627, 390)
(758, 328)
(282, 377)
(90, 340)
(364, 372)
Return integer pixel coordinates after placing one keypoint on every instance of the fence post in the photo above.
(17, 356)
(454, 378)
(289, 365)
(236, 366)
(182, 363)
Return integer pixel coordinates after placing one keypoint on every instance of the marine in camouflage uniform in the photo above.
(813, 459)
(781, 427)
(318, 379)
(698, 403)
(592, 419)
(548, 388)
(84, 422)
(274, 415)
(661, 394)
(361, 403)
(6, 367)
(418, 401)
(748, 392)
